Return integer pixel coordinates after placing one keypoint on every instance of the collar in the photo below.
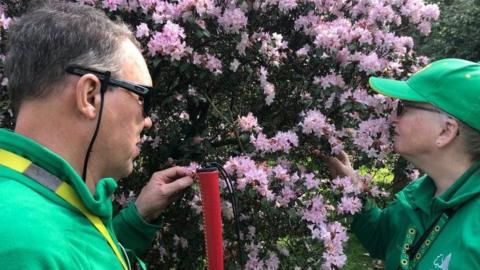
(99, 204)
(421, 192)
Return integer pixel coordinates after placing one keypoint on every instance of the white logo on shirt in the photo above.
(442, 262)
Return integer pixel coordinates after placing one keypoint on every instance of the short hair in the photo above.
(471, 138)
(43, 42)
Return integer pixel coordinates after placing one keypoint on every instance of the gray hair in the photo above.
(42, 43)
(471, 139)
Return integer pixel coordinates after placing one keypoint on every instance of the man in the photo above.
(76, 82)
(434, 221)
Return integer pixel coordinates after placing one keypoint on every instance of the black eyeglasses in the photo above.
(144, 92)
(401, 108)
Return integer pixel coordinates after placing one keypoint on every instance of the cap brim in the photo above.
(395, 89)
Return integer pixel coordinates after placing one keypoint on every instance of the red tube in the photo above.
(212, 218)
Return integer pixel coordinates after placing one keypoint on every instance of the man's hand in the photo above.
(160, 191)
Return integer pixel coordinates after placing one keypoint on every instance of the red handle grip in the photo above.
(212, 218)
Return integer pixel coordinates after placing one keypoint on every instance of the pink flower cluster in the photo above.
(248, 123)
(272, 46)
(282, 141)
(4, 20)
(330, 80)
(248, 173)
(315, 122)
(169, 42)
(332, 234)
(142, 30)
(268, 88)
(208, 61)
(232, 20)
(372, 137)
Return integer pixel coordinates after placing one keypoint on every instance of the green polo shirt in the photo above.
(40, 230)
(384, 231)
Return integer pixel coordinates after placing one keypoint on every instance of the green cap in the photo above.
(452, 85)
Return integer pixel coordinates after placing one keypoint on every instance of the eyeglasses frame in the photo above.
(145, 92)
(402, 105)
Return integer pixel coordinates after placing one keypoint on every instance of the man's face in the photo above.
(123, 119)
(416, 129)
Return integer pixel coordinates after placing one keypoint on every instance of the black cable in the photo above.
(103, 89)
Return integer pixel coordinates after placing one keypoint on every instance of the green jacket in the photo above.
(40, 230)
(384, 232)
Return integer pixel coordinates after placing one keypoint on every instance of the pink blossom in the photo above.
(142, 30)
(4, 21)
(193, 166)
(303, 51)
(372, 131)
(343, 56)
(430, 12)
(165, 11)
(209, 61)
(169, 42)
(311, 182)
(261, 143)
(243, 44)
(425, 27)
(333, 260)
(381, 13)
(233, 20)
(287, 195)
(315, 211)
(370, 63)
(272, 262)
(282, 141)
(280, 173)
(253, 262)
(346, 185)
(315, 122)
(146, 5)
(287, 5)
(112, 5)
(330, 80)
(248, 123)
(202, 7)
(268, 88)
(239, 165)
(349, 205)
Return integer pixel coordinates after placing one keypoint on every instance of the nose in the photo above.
(147, 122)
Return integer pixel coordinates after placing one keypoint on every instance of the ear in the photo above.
(87, 96)
(448, 133)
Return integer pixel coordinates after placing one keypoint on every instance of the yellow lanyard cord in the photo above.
(65, 191)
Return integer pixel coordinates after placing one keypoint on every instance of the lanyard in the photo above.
(411, 254)
(61, 188)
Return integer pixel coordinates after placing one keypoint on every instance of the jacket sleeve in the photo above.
(373, 227)
(133, 231)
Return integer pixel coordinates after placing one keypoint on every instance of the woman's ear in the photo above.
(450, 130)
(87, 96)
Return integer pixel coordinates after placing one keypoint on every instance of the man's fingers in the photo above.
(170, 174)
(177, 185)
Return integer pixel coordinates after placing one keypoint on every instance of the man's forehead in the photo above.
(133, 65)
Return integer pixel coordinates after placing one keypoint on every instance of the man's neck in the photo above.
(60, 141)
